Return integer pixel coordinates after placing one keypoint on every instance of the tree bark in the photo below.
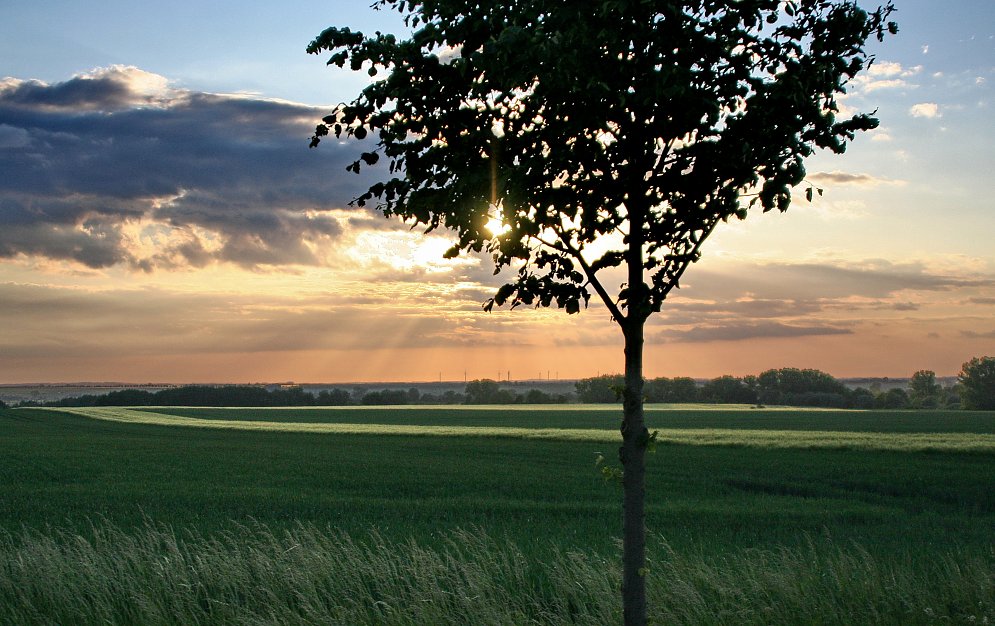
(632, 454)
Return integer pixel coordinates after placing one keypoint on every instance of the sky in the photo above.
(163, 220)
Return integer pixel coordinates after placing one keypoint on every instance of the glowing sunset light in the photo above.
(162, 219)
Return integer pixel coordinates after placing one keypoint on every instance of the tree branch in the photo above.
(592, 276)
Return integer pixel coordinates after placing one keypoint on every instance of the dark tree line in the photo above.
(790, 387)
(487, 391)
(975, 389)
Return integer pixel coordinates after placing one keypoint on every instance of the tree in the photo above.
(977, 379)
(600, 389)
(589, 147)
(728, 390)
(924, 391)
(894, 398)
(861, 398)
(683, 389)
(487, 391)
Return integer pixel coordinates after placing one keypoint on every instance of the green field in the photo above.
(894, 494)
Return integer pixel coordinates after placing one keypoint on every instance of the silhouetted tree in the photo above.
(977, 379)
(861, 398)
(602, 389)
(533, 130)
(924, 391)
(728, 390)
(800, 387)
(333, 397)
(487, 391)
(894, 398)
(683, 389)
(538, 396)
(384, 397)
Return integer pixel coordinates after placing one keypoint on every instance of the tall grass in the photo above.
(305, 575)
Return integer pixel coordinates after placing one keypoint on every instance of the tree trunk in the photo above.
(632, 454)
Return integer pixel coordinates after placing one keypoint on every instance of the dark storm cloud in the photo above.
(118, 145)
(86, 93)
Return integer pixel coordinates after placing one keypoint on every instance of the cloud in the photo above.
(92, 161)
(57, 322)
(925, 109)
(982, 300)
(891, 68)
(13, 137)
(886, 75)
(845, 178)
(970, 334)
(739, 331)
(822, 281)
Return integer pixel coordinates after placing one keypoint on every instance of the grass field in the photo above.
(864, 517)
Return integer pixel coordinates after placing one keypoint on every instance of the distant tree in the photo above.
(683, 389)
(924, 391)
(800, 387)
(131, 397)
(656, 389)
(728, 390)
(861, 398)
(487, 391)
(977, 380)
(538, 396)
(333, 397)
(385, 397)
(894, 398)
(602, 389)
(3, 405)
(951, 396)
(538, 131)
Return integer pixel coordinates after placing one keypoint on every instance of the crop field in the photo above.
(492, 515)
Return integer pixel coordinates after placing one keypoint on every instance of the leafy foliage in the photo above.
(571, 127)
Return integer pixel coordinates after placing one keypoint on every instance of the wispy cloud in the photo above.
(971, 334)
(925, 109)
(819, 281)
(846, 178)
(739, 331)
(886, 75)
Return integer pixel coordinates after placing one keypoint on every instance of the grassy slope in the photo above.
(66, 467)
(598, 416)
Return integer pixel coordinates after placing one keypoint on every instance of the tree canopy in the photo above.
(639, 124)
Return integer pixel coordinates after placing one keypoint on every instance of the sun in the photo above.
(496, 226)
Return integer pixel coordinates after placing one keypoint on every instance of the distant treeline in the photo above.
(785, 386)
(250, 395)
